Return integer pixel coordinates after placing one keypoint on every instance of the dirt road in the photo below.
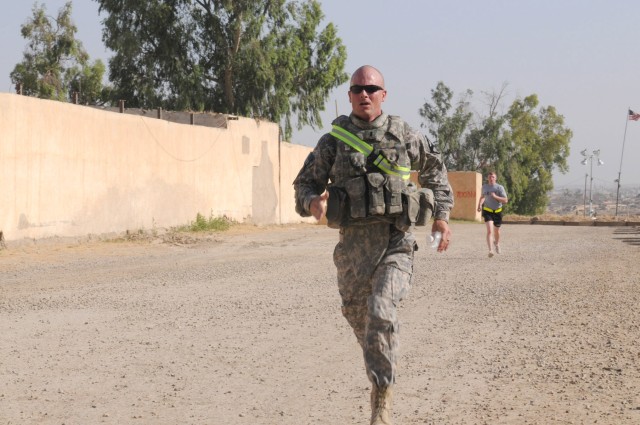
(245, 328)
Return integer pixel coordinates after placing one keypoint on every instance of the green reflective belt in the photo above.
(492, 211)
(363, 147)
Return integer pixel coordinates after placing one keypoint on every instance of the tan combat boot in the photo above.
(381, 405)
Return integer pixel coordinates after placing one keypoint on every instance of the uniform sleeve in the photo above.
(313, 177)
(432, 173)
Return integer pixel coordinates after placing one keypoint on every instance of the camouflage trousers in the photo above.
(375, 264)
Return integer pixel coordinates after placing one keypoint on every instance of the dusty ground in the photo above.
(245, 328)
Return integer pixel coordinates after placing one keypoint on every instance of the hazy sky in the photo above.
(580, 56)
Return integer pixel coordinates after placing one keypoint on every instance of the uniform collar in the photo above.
(377, 123)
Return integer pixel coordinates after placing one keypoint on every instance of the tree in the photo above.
(524, 146)
(449, 131)
(256, 58)
(538, 143)
(55, 63)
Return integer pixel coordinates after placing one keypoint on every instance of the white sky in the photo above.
(580, 56)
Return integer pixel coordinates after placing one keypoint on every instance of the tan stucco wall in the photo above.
(466, 186)
(293, 157)
(71, 170)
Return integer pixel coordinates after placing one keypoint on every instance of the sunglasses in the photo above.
(357, 89)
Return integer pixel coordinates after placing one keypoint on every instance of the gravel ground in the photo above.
(245, 327)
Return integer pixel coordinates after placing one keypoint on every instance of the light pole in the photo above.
(584, 198)
(588, 157)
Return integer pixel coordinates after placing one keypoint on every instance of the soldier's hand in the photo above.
(443, 227)
(318, 205)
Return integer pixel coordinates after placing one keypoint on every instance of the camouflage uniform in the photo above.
(374, 258)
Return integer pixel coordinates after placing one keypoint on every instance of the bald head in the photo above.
(368, 73)
(367, 93)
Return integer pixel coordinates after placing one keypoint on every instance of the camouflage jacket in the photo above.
(332, 161)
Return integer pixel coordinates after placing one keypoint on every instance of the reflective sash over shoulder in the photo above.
(363, 147)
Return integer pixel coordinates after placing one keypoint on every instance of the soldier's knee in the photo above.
(382, 313)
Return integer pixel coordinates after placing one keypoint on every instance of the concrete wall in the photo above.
(467, 186)
(70, 170)
(293, 157)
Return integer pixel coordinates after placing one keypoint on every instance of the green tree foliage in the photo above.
(257, 58)
(524, 145)
(449, 131)
(55, 64)
(539, 142)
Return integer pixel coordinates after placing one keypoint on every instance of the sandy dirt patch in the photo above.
(245, 327)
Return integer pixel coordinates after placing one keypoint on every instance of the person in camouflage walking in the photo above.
(358, 178)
